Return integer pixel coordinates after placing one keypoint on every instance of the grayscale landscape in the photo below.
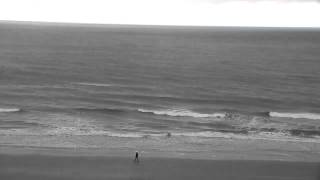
(78, 100)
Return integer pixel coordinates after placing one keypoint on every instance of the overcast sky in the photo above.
(275, 13)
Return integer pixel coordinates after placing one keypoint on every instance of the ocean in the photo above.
(153, 82)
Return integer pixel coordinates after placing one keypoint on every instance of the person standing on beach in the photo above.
(136, 159)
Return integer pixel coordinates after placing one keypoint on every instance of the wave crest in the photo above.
(296, 115)
(9, 110)
(182, 113)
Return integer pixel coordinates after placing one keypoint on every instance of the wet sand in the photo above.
(45, 166)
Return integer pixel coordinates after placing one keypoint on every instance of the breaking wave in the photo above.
(271, 136)
(9, 110)
(189, 113)
(182, 113)
(69, 131)
(169, 112)
(295, 115)
(91, 131)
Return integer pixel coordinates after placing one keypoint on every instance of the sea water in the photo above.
(60, 80)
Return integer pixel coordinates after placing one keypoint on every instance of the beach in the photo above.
(68, 157)
(71, 164)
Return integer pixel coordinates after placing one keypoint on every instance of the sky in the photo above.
(259, 13)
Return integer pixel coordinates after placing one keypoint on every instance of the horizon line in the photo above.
(61, 23)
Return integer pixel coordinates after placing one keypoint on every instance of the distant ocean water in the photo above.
(135, 81)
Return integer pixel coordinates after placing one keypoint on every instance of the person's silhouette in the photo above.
(136, 159)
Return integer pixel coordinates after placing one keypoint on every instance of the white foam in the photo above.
(296, 115)
(125, 135)
(269, 136)
(204, 134)
(68, 131)
(183, 113)
(89, 131)
(71, 131)
(8, 110)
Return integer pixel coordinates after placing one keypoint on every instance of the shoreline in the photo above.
(216, 155)
(183, 148)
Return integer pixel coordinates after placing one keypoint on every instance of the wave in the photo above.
(9, 110)
(182, 113)
(76, 131)
(69, 131)
(270, 136)
(169, 112)
(89, 132)
(101, 110)
(95, 84)
(313, 116)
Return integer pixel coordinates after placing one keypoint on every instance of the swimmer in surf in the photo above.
(136, 159)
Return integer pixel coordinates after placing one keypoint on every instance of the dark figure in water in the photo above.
(136, 159)
(168, 135)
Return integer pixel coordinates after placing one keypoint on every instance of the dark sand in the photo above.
(30, 167)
